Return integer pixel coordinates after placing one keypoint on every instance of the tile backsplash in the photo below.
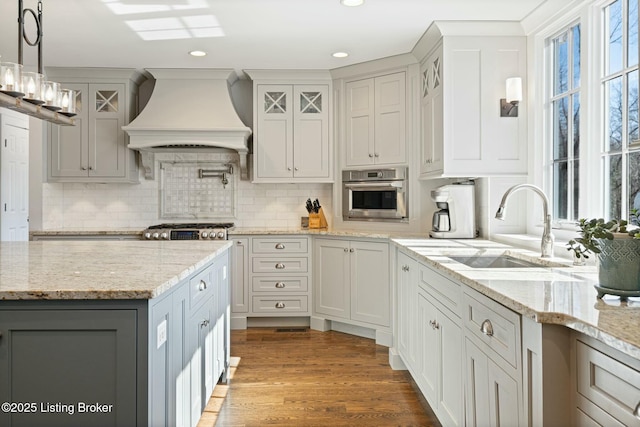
(88, 206)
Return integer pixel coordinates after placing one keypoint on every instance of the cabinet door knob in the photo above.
(376, 155)
(289, 169)
(280, 246)
(370, 155)
(202, 285)
(487, 328)
(90, 168)
(280, 266)
(295, 169)
(436, 325)
(280, 285)
(346, 250)
(279, 305)
(352, 250)
(238, 242)
(83, 168)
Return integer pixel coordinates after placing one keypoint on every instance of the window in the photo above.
(563, 165)
(620, 148)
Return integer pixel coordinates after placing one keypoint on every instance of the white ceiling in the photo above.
(257, 34)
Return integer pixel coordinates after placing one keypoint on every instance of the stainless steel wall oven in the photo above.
(375, 195)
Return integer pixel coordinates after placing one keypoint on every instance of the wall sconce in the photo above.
(509, 105)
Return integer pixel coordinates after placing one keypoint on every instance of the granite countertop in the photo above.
(557, 293)
(129, 269)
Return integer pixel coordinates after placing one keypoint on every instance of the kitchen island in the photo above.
(108, 333)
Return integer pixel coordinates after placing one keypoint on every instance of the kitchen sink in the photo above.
(494, 261)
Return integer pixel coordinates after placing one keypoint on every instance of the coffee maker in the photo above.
(456, 218)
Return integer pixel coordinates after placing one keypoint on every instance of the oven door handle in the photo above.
(373, 185)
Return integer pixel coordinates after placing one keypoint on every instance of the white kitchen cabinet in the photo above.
(493, 363)
(463, 79)
(279, 276)
(407, 289)
(292, 142)
(375, 120)
(96, 148)
(239, 282)
(351, 281)
(607, 385)
(440, 337)
(492, 395)
(14, 182)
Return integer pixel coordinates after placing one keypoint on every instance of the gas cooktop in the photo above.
(191, 231)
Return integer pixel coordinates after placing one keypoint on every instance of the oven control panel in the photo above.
(172, 232)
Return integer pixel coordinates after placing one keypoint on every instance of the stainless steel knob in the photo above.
(164, 236)
(147, 235)
(371, 156)
(204, 234)
(346, 250)
(376, 155)
(487, 328)
(202, 285)
(280, 266)
(280, 285)
(90, 168)
(156, 236)
(83, 168)
(279, 246)
(279, 305)
(352, 250)
(220, 234)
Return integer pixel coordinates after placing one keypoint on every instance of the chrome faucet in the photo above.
(547, 237)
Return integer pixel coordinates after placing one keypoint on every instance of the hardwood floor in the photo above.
(313, 378)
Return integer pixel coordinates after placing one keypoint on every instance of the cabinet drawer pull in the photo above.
(636, 411)
(487, 328)
(279, 284)
(280, 246)
(279, 305)
(204, 323)
(280, 266)
(202, 285)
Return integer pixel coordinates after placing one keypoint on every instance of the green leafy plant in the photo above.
(592, 229)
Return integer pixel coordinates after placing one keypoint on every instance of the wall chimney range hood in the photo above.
(190, 110)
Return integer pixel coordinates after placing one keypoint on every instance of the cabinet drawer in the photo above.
(495, 325)
(200, 287)
(280, 305)
(280, 265)
(285, 245)
(280, 284)
(610, 385)
(446, 291)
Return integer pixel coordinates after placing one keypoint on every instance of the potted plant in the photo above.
(617, 249)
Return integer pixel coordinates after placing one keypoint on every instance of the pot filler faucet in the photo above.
(547, 237)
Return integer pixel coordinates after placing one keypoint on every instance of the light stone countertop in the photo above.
(128, 269)
(559, 293)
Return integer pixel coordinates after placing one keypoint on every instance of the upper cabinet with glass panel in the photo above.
(291, 126)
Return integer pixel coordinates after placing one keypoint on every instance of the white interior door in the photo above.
(14, 187)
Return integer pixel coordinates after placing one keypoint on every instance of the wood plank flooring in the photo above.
(313, 378)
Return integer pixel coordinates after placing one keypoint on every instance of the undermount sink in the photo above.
(494, 261)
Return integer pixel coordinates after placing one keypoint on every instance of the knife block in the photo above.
(317, 220)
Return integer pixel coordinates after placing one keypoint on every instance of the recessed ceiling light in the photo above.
(197, 53)
(352, 3)
(340, 54)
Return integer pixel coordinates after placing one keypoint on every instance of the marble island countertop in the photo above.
(129, 269)
(556, 292)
